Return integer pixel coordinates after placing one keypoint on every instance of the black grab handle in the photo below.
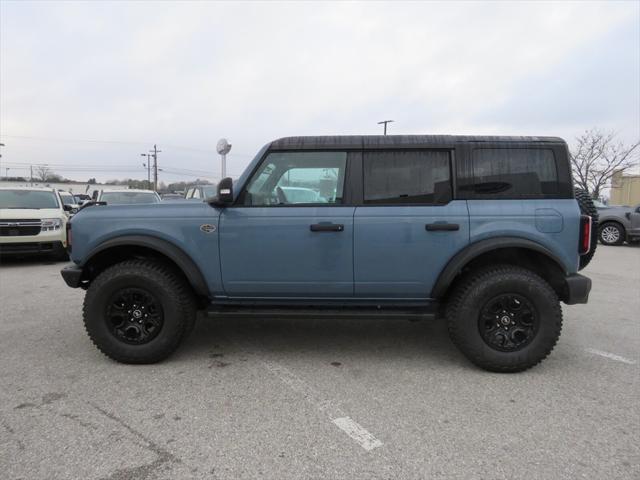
(327, 227)
(444, 227)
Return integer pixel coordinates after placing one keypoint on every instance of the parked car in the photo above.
(486, 229)
(618, 223)
(70, 201)
(126, 196)
(302, 195)
(81, 198)
(171, 196)
(200, 192)
(32, 221)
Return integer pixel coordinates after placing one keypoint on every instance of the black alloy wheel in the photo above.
(508, 322)
(134, 316)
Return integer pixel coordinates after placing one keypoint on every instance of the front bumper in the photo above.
(576, 289)
(72, 275)
(32, 248)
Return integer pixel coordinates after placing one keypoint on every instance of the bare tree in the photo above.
(43, 173)
(597, 156)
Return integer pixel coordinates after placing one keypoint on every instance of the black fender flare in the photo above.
(164, 247)
(474, 250)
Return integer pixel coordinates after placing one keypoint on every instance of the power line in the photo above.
(116, 142)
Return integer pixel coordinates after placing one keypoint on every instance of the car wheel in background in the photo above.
(611, 233)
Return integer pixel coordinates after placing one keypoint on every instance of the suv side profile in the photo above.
(486, 230)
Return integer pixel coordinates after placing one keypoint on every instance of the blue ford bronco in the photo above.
(487, 231)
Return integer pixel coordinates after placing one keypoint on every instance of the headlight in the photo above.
(51, 224)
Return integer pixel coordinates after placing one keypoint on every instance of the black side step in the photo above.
(229, 311)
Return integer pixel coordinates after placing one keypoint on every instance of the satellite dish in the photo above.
(223, 146)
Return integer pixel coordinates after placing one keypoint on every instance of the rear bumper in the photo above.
(72, 275)
(577, 288)
(31, 248)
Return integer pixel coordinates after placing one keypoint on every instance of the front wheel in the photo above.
(138, 311)
(504, 318)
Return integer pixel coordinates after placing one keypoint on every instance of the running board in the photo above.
(319, 313)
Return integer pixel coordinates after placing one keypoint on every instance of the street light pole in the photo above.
(155, 152)
(384, 122)
(148, 165)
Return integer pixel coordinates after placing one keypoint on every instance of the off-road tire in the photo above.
(588, 208)
(169, 288)
(475, 290)
(617, 226)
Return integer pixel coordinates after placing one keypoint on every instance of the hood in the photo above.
(30, 213)
(177, 209)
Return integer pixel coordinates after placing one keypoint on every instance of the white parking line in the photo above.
(611, 356)
(325, 405)
(359, 434)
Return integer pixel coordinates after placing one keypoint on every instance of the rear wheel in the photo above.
(611, 233)
(138, 311)
(504, 318)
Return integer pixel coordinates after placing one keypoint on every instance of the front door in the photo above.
(289, 235)
(409, 226)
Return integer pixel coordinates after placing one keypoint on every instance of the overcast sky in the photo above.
(91, 85)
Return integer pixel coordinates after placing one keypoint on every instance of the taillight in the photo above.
(69, 237)
(585, 234)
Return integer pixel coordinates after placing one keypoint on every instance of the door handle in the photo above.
(441, 226)
(326, 227)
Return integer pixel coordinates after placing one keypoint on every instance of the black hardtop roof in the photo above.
(387, 141)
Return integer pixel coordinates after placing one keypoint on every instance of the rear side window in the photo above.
(514, 172)
(407, 177)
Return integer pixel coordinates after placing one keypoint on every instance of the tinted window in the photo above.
(407, 177)
(514, 172)
(288, 178)
(27, 199)
(128, 198)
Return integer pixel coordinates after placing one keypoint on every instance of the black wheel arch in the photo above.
(505, 250)
(141, 246)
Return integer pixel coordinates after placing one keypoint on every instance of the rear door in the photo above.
(290, 233)
(409, 225)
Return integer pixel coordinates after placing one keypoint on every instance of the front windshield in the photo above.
(129, 198)
(32, 199)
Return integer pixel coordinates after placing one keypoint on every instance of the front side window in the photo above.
(297, 178)
(29, 199)
(407, 177)
(514, 172)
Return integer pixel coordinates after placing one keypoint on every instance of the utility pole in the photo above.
(384, 122)
(155, 153)
(148, 165)
(31, 174)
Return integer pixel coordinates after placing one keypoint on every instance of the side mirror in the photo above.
(67, 208)
(225, 193)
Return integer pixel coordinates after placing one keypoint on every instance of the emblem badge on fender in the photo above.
(206, 228)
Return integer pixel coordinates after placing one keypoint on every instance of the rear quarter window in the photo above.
(514, 173)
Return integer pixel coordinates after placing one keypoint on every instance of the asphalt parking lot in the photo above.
(278, 399)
